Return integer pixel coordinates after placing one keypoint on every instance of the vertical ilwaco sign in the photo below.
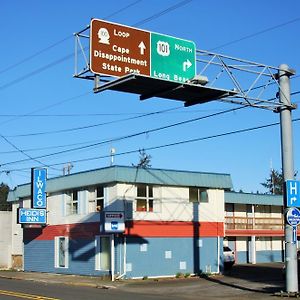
(118, 50)
(38, 188)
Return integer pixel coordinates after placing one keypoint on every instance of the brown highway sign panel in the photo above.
(117, 50)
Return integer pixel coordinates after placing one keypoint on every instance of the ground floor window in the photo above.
(61, 252)
(102, 257)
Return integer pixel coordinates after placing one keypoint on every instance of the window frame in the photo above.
(57, 252)
(147, 198)
(200, 195)
(96, 203)
(98, 251)
(72, 202)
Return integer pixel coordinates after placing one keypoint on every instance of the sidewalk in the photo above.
(88, 281)
(243, 282)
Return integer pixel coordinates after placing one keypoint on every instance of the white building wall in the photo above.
(17, 232)
(213, 211)
(5, 239)
(241, 244)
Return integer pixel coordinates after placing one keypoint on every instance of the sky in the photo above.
(50, 119)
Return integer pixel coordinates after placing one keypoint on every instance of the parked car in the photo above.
(229, 258)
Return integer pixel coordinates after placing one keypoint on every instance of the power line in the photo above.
(62, 59)
(30, 57)
(161, 13)
(93, 125)
(256, 33)
(20, 150)
(35, 54)
(122, 9)
(47, 107)
(169, 145)
(130, 135)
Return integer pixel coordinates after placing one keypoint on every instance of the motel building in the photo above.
(129, 222)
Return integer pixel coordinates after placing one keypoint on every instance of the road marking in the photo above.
(25, 296)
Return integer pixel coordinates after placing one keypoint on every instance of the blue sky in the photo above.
(40, 97)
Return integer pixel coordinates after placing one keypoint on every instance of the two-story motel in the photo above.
(175, 222)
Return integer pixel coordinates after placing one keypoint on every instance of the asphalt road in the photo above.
(243, 282)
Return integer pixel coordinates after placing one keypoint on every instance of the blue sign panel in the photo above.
(294, 234)
(32, 216)
(292, 193)
(293, 216)
(38, 182)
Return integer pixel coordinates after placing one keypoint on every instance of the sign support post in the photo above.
(291, 262)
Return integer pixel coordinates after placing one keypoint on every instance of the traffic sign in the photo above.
(292, 193)
(293, 216)
(118, 50)
(172, 59)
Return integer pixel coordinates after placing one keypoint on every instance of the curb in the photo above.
(43, 280)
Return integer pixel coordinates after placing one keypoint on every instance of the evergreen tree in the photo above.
(274, 183)
(4, 205)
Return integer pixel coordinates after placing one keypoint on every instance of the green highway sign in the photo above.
(172, 58)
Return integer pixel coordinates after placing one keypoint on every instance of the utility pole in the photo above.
(291, 263)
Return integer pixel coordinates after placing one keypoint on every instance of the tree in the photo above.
(144, 161)
(274, 183)
(4, 205)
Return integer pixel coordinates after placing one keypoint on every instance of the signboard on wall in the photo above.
(114, 222)
(38, 187)
(32, 216)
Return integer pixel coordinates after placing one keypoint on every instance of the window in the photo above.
(102, 257)
(61, 252)
(198, 195)
(144, 198)
(96, 198)
(72, 202)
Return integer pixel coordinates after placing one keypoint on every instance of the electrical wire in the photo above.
(167, 145)
(129, 136)
(93, 125)
(256, 34)
(30, 57)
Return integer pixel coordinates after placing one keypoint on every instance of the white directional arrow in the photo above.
(142, 47)
(186, 64)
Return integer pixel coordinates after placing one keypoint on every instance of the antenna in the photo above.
(67, 169)
(112, 153)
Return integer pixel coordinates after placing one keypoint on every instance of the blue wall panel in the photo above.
(242, 257)
(39, 257)
(187, 256)
(268, 256)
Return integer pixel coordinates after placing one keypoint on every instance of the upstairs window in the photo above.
(72, 202)
(96, 198)
(198, 195)
(144, 198)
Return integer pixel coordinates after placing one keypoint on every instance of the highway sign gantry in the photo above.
(118, 50)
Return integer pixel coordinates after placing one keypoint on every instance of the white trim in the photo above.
(98, 247)
(56, 252)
